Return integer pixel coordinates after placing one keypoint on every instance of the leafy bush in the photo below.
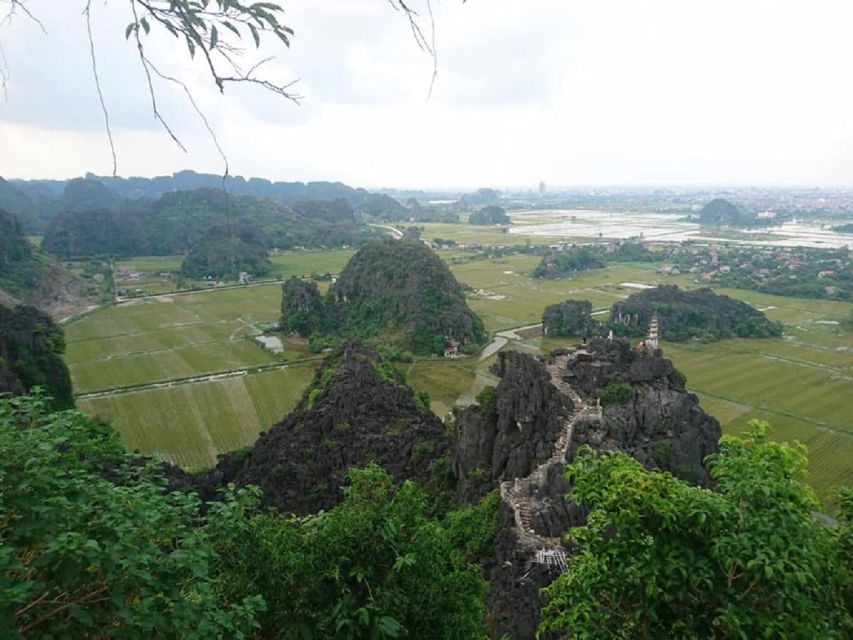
(664, 559)
(94, 546)
(372, 567)
(617, 392)
(486, 400)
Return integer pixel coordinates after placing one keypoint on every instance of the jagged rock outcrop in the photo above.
(661, 425)
(524, 432)
(31, 348)
(357, 410)
(514, 432)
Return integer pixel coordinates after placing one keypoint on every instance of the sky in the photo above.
(569, 92)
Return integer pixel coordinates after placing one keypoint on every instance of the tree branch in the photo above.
(106, 113)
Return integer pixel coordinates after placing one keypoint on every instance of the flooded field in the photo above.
(663, 227)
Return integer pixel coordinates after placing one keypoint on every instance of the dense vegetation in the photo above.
(661, 558)
(31, 349)
(225, 255)
(375, 566)
(22, 266)
(176, 221)
(630, 252)
(563, 264)
(15, 251)
(29, 275)
(491, 214)
(137, 187)
(16, 201)
(569, 318)
(393, 293)
(95, 232)
(682, 315)
(94, 546)
(99, 546)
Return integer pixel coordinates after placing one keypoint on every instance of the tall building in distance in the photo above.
(541, 189)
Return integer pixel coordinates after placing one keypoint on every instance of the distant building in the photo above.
(541, 189)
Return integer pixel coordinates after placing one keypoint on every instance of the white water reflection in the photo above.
(664, 227)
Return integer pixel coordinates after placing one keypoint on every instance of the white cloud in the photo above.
(605, 92)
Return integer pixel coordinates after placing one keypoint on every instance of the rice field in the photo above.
(802, 384)
(168, 337)
(190, 424)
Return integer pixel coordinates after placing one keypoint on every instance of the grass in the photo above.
(451, 382)
(189, 425)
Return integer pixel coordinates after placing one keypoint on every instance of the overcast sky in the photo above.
(570, 92)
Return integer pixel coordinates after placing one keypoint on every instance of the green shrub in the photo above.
(616, 392)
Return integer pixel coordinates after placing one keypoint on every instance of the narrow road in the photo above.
(502, 338)
(394, 232)
(174, 382)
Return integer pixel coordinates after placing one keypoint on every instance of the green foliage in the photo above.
(372, 567)
(423, 399)
(422, 451)
(397, 295)
(662, 558)
(699, 313)
(616, 392)
(486, 400)
(473, 529)
(562, 264)
(385, 370)
(313, 395)
(95, 232)
(569, 318)
(491, 214)
(31, 348)
(93, 544)
(224, 254)
(213, 31)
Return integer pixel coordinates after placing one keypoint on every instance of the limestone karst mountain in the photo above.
(392, 292)
(533, 423)
(357, 410)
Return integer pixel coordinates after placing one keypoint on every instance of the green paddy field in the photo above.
(181, 376)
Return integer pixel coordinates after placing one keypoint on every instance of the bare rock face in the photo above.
(524, 434)
(515, 432)
(661, 425)
(357, 410)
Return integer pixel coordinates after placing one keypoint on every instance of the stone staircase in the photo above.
(520, 493)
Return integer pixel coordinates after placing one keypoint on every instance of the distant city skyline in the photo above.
(606, 94)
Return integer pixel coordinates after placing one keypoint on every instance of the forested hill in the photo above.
(31, 349)
(176, 221)
(699, 313)
(390, 293)
(29, 275)
(36, 202)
